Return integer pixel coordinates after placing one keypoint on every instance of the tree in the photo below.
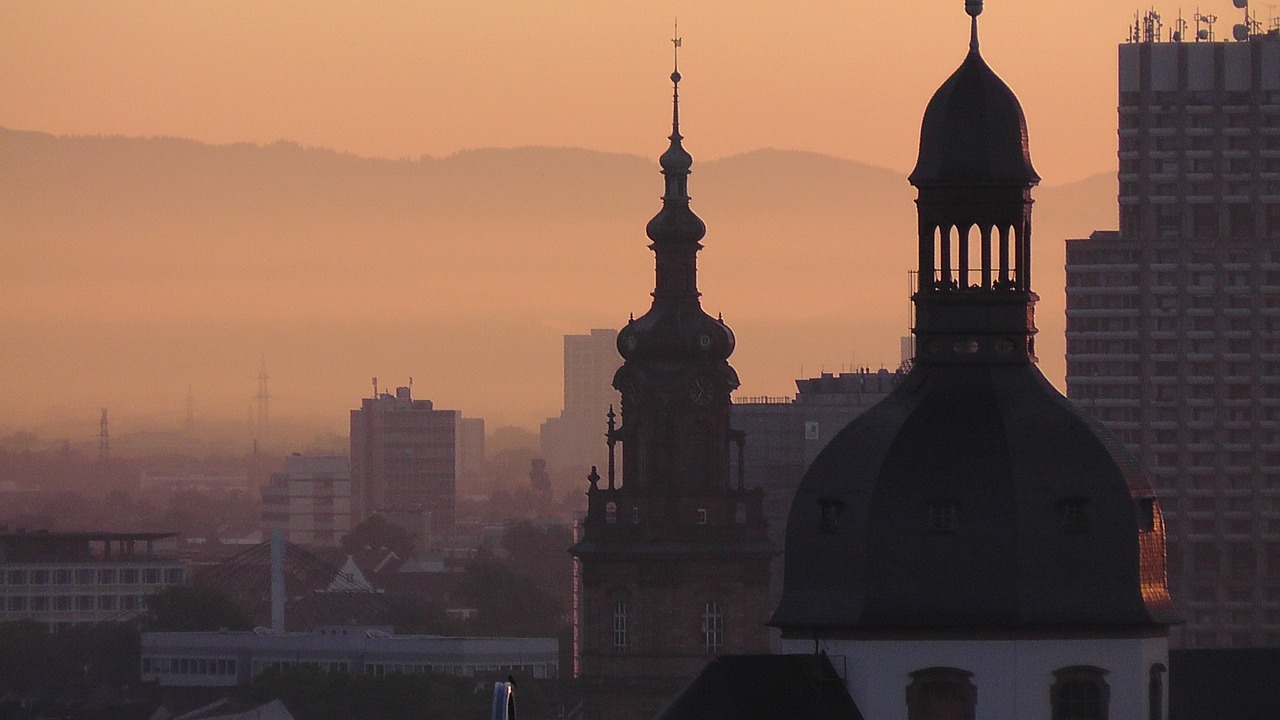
(378, 532)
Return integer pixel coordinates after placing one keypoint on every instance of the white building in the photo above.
(310, 501)
(72, 578)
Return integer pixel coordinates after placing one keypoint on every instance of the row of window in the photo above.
(92, 576)
(69, 603)
(189, 666)
(1078, 693)
(712, 627)
(942, 515)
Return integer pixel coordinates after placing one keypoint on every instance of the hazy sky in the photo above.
(411, 78)
(395, 79)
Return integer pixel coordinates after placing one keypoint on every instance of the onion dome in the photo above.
(975, 497)
(676, 328)
(974, 131)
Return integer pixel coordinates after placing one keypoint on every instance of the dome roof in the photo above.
(682, 332)
(974, 132)
(974, 497)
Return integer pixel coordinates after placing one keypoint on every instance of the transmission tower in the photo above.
(104, 437)
(264, 406)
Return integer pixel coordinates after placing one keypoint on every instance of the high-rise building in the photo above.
(310, 500)
(405, 463)
(673, 556)
(1173, 323)
(573, 438)
(974, 545)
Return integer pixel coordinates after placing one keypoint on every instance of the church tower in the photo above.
(975, 545)
(673, 556)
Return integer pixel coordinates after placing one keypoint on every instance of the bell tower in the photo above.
(673, 555)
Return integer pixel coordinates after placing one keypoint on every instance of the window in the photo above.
(942, 516)
(941, 693)
(1080, 693)
(702, 516)
(611, 513)
(829, 511)
(620, 626)
(1074, 515)
(712, 627)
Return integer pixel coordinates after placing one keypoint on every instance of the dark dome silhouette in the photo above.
(975, 497)
(974, 132)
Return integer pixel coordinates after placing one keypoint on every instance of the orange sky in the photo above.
(404, 79)
(395, 79)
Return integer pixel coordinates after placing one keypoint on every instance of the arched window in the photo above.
(611, 512)
(712, 627)
(941, 693)
(620, 626)
(1080, 693)
(1155, 692)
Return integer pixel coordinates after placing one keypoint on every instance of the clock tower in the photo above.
(673, 556)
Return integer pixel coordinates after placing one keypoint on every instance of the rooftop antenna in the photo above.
(1205, 33)
(1273, 22)
(1152, 26)
(1241, 31)
(375, 388)
(1179, 28)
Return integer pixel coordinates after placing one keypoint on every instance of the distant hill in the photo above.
(133, 267)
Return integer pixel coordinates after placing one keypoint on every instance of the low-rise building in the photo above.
(310, 501)
(70, 578)
(225, 659)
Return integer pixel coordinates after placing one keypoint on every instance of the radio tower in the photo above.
(264, 405)
(104, 437)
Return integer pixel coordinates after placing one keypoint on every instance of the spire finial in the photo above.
(974, 9)
(675, 82)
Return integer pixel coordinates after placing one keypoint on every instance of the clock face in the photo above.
(704, 342)
(700, 391)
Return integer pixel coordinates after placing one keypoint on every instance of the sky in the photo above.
(395, 78)
(400, 78)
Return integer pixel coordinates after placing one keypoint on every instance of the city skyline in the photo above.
(224, 73)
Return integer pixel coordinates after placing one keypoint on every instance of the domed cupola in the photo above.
(676, 329)
(975, 498)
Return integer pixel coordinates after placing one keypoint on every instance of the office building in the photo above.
(572, 440)
(73, 578)
(310, 500)
(405, 464)
(1173, 322)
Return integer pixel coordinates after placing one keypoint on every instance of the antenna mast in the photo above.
(104, 437)
(264, 405)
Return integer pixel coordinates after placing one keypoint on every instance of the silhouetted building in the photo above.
(471, 449)
(73, 578)
(975, 544)
(405, 463)
(573, 438)
(310, 500)
(227, 659)
(1173, 323)
(674, 558)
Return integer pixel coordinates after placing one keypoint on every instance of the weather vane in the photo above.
(675, 42)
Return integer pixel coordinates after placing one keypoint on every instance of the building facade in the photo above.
(227, 659)
(572, 440)
(73, 578)
(673, 554)
(310, 500)
(1173, 322)
(975, 545)
(405, 457)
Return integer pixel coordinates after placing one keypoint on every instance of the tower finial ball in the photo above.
(973, 7)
